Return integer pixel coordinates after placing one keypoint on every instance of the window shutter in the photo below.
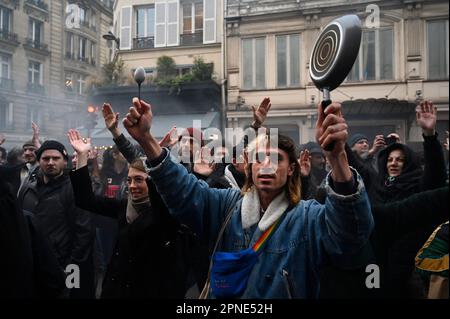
(209, 21)
(160, 24)
(173, 37)
(125, 28)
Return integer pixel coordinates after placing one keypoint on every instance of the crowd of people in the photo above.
(138, 222)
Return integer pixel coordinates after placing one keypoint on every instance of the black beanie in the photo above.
(355, 138)
(52, 145)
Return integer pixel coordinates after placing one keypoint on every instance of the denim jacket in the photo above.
(308, 236)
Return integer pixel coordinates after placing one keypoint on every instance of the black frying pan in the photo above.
(334, 54)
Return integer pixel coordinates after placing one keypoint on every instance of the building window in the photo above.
(288, 60)
(94, 21)
(33, 115)
(6, 115)
(93, 53)
(253, 63)
(193, 17)
(145, 22)
(438, 49)
(81, 84)
(5, 19)
(82, 52)
(35, 73)
(70, 45)
(68, 82)
(375, 60)
(35, 31)
(5, 66)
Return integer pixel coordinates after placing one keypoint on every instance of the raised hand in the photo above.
(139, 120)
(170, 139)
(81, 145)
(305, 163)
(426, 117)
(260, 114)
(93, 154)
(203, 163)
(111, 118)
(36, 133)
(378, 144)
(331, 126)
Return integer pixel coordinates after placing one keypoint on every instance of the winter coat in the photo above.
(151, 257)
(290, 263)
(68, 227)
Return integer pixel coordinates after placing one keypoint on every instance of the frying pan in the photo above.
(333, 56)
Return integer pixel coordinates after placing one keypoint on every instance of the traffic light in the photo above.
(91, 120)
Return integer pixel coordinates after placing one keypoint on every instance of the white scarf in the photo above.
(251, 207)
(136, 208)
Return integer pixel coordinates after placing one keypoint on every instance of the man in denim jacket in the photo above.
(309, 235)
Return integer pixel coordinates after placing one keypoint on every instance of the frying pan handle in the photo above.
(325, 103)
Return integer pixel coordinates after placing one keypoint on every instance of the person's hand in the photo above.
(111, 119)
(260, 114)
(378, 144)
(426, 117)
(203, 163)
(2, 139)
(331, 127)
(139, 120)
(36, 133)
(446, 144)
(305, 163)
(93, 154)
(396, 136)
(81, 145)
(170, 139)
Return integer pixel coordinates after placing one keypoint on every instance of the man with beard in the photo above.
(47, 193)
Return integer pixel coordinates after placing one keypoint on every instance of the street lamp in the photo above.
(111, 37)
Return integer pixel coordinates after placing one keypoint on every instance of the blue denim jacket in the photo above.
(309, 235)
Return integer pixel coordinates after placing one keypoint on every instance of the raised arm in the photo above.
(434, 171)
(81, 183)
(128, 150)
(345, 221)
(188, 199)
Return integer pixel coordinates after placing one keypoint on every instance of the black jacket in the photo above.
(68, 228)
(151, 258)
(11, 175)
(420, 211)
(16, 263)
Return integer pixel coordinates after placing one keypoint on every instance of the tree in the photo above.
(202, 71)
(166, 68)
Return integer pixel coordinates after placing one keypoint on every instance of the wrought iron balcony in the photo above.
(36, 44)
(37, 3)
(6, 84)
(144, 43)
(35, 88)
(187, 39)
(7, 36)
(70, 56)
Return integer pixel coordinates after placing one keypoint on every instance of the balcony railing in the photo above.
(36, 44)
(191, 38)
(35, 88)
(8, 36)
(144, 43)
(84, 59)
(6, 84)
(70, 56)
(37, 3)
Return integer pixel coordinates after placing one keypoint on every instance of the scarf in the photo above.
(136, 208)
(251, 210)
